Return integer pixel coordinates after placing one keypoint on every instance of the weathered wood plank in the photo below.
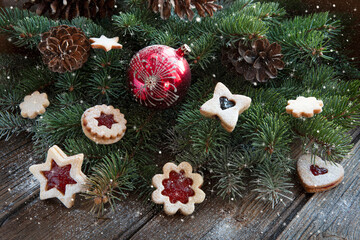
(23, 215)
(17, 185)
(249, 218)
(333, 214)
(12, 144)
(49, 219)
(216, 218)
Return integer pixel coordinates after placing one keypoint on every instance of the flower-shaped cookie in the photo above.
(178, 188)
(304, 107)
(226, 106)
(34, 105)
(60, 176)
(103, 124)
(105, 43)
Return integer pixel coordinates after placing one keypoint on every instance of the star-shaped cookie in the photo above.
(34, 105)
(304, 107)
(226, 106)
(105, 43)
(60, 176)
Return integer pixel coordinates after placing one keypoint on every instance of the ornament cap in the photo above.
(183, 50)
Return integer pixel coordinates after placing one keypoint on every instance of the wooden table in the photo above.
(329, 215)
(333, 214)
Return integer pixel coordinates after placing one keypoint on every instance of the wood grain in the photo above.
(333, 214)
(17, 185)
(49, 219)
(12, 144)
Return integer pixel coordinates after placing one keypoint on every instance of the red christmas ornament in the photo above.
(159, 76)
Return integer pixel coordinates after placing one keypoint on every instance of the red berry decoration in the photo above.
(159, 76)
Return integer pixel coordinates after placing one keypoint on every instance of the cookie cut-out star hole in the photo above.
(225, 103)
(106, 120)
(58, 177)
(178, 187)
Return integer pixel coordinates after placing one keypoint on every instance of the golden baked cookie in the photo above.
(105, 43)
(317, 175)
(178, 188)
(60, 176)
(103, 124)
(226, 106)
(34, 105)
(304, 107)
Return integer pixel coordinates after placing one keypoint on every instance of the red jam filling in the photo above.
(316, 170)
(177, 187)
(58, 177)
(106, 120)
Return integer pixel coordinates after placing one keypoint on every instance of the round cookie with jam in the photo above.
(103, 124)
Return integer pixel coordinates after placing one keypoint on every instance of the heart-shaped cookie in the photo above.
(316, 175)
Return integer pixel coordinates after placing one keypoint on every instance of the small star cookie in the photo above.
(226, 106)
(304, 107)
(34, 105)
(105, 43)
(178, 188)
(60, 176)
(316, 175)
(103, 124)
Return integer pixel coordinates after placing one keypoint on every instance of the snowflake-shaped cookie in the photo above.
(60, 176)
(34, 105)
(105, 43)
(226, 106)
(304, 107)
(103, 124)
(178, 188)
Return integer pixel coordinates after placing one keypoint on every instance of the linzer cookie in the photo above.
(34, 105)
(103, 124)
(304, 107)
(178, 188)
(60, 176)
(317, 175)
(226, 106)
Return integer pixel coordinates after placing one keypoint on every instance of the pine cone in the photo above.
(64, 48)
(183, 7)
(69, 9)
(256, 62)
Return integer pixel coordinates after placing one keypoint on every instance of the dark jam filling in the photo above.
(316, 170)
(178, 187)
(225, 103)
(58, 177)
(106, 120)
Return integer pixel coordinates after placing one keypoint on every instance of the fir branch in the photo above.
(10, 99)
(104, 87)
(271, 182)
(110, 181)
(323, 138)
(12, 124)
(10, 16)
(228, 169)
(62, 124)
(242, 27)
